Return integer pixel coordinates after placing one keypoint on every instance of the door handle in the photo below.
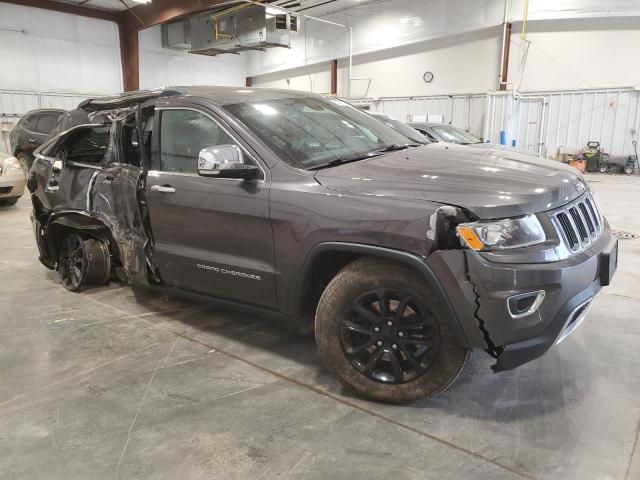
(163, 189)
(109, 179)
(31, 140)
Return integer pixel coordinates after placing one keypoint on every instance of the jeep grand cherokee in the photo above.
(403, 256)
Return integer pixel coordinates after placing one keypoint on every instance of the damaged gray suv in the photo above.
(402, 256)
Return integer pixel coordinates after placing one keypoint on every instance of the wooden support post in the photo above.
(129, 52)
(334, 77)
(504, 68)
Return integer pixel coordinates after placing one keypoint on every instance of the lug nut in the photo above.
(394, 346)
(400, 334)
(379, 343)
(376, 329)
(390, 323)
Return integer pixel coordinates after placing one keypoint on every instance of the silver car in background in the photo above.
(12, 180)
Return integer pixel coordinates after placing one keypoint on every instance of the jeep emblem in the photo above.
(580, 187)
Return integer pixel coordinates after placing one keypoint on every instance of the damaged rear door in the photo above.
(116, 193)
(77, 159)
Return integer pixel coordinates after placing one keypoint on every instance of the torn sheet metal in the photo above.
(110, 192)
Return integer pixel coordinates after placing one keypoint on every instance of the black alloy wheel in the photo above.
(383, 330)
(389, 336)
(83, 261)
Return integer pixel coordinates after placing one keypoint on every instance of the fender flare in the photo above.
(414, 261)
(81, 221)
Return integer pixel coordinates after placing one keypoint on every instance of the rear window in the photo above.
(88, 145)
(29, 122)
(46, 123)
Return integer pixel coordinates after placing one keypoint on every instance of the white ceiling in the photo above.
(320, 7)
(309, 7)
(112, 5)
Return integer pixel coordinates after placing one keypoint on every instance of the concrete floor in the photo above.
(120, 384)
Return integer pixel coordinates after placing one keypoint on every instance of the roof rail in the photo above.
(124, 100)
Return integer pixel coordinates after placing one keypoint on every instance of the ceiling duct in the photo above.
(249, 27)
(176, 35)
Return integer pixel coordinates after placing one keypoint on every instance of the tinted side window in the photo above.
(46, 123)
(88, 145)
(130, 142)
(183, 133)
(29, 122)
(429, 135)
(147, 131)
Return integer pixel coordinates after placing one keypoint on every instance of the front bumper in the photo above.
(479, 289)
(12, 183)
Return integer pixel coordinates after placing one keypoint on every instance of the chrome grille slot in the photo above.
(592, 209)
(585, 215)
(569, 233)
(578, 224)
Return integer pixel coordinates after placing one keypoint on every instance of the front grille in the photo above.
(579, 224)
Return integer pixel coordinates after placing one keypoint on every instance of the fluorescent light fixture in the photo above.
(274, 11)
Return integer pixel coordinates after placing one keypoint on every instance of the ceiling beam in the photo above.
(68, 8)
(162, 11)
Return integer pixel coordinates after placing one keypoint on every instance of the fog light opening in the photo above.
(525, 304)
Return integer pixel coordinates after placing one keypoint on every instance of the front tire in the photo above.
(383, 331)
(82, 262)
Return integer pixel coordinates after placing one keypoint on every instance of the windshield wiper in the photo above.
(363, 156)
(395, 147)
(343, 160)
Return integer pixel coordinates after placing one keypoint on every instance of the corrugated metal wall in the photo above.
(547, 122)
(465, 111)
(562, 121)
(14, 104)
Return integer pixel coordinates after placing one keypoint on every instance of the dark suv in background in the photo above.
(401, 256)
(31, 131)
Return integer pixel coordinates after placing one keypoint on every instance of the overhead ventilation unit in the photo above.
(251, 27)
(176, 35)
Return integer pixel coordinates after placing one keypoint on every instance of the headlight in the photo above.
(502, 234)
(10, 163)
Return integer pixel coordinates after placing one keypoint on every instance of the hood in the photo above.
(490, 183)
(495, 146)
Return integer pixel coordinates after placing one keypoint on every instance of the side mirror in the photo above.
(225, 161)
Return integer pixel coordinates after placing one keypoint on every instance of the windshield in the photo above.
(455, 135)
(404, 129)
(314, 132)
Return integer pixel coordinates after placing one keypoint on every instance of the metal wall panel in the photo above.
(564, 121)
(549, 123)
(14, 104)
(17, 103)
(465, 111)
